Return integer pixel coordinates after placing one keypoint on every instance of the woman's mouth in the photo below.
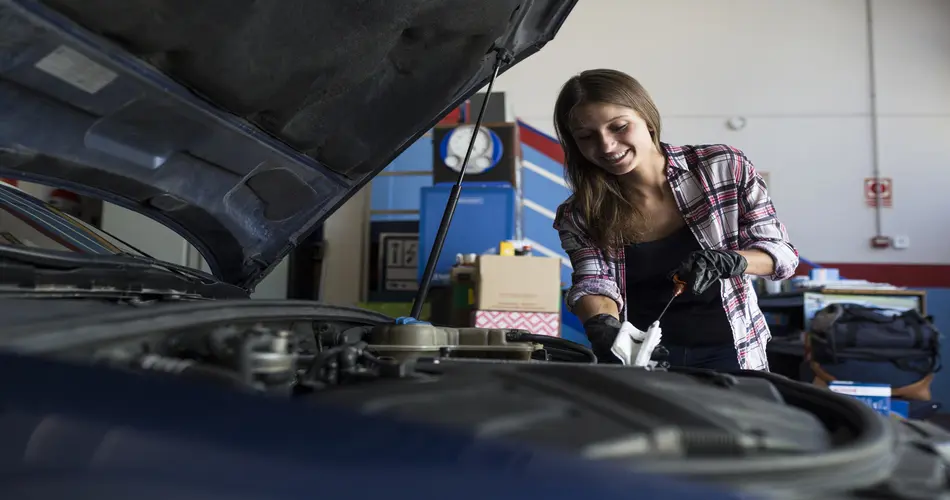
(616, 157)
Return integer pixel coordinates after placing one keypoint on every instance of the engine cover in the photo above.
(598, 411)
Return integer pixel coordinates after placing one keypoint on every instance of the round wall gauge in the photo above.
(485, 154)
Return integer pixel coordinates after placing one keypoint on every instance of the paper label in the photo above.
(76, 69)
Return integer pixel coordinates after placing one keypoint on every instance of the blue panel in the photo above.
(484, 217)
(538, 228)
(574, 334)
(548, 194)
(381, 193)
(393, 217)
(414, 158)
(407, 189)
(542, 160)
(543, 191)
(571, 327)
(398, 192)
(402, 192)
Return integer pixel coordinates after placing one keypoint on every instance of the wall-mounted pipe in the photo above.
(872, 87)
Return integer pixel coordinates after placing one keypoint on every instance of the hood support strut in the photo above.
(502, 56)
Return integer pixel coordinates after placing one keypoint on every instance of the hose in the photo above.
(558, 343)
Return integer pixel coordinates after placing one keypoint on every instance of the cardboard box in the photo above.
(534, 322)
(518, 284)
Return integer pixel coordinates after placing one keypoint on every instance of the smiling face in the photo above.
(608, 126)
(612, 137)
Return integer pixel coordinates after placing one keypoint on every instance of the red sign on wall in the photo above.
(879, 188)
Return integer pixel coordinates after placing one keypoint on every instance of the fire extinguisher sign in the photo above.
(879, 191)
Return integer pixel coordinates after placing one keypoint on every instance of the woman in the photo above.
(642, 210)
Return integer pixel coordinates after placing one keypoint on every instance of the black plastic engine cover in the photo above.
(597, 411)
(735, 430)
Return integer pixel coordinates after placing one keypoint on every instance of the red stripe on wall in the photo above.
(453, 117)
(909, 275)
(545, 144)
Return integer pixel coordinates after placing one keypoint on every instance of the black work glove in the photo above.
(705, 267)
(602, 331)
(660, 354)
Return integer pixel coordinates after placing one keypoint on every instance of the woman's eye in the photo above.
(620, 128)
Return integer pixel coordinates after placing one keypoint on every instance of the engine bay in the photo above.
(755, 430)
(304, 357)
(500, 382)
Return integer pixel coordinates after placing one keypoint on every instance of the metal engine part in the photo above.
(268, 359)
(261, 358)
(413, 341)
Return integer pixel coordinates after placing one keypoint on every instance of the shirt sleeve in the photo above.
(759, 226)
(591, 272)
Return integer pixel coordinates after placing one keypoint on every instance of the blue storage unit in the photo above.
(485, 216)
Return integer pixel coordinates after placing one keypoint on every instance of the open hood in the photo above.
(241, 124)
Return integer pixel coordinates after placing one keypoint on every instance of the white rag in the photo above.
(634, 347)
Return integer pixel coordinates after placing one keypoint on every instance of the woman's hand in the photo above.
(602, 331)
(705, 267)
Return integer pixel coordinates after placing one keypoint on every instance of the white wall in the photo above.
(346, 233)
(163, 243)
(149, 236)
(798, 71)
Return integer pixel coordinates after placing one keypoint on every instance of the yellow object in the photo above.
(506, 248)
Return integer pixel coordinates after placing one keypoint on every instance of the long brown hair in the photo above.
(612, 219)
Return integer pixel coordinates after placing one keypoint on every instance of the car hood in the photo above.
(241, 124)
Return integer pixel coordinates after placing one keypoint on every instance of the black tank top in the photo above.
(691, 320)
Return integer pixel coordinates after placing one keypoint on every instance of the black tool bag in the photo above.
(840, 332)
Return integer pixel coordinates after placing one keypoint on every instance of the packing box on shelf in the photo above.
(518, 284)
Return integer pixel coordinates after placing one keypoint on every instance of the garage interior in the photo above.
(843, 106)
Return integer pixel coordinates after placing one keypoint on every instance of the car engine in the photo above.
(755, 431)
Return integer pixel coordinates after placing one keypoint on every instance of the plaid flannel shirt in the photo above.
(726, 205)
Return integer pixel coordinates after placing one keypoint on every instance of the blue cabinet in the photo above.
(485, 216)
